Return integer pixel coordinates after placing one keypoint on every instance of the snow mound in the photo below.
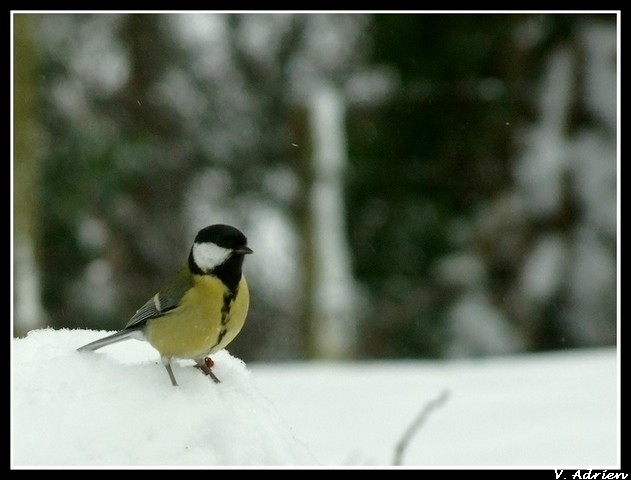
(117, 407)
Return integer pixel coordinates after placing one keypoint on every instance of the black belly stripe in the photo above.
(221, 335)
(228, 299)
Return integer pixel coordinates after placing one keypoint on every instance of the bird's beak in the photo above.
(244, 250)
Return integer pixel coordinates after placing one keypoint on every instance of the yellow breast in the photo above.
(208, 319)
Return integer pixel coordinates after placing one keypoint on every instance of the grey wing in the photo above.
(164, 301)
(151, 309)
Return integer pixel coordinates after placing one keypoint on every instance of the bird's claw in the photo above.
(205, 368)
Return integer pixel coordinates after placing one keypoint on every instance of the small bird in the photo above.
(201, 310)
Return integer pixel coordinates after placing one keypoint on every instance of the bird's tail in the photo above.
(114, 338)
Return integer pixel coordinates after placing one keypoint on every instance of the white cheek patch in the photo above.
(208, 255)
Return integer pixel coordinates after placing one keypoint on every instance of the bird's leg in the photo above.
(167, 364)
(205, 364)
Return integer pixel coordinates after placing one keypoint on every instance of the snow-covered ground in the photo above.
(116, 407)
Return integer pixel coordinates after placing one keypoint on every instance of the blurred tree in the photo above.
(423, 159)
(278, 61)
(115, 175)
(159, 124)
(434, 167)
(28, 311)
(163, 120)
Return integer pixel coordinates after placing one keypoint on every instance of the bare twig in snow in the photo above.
(416, 424)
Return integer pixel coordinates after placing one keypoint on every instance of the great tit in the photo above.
(201, 310)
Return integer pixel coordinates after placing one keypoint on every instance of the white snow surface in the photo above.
(116, 408)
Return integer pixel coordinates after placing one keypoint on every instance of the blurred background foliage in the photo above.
(479, 183)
